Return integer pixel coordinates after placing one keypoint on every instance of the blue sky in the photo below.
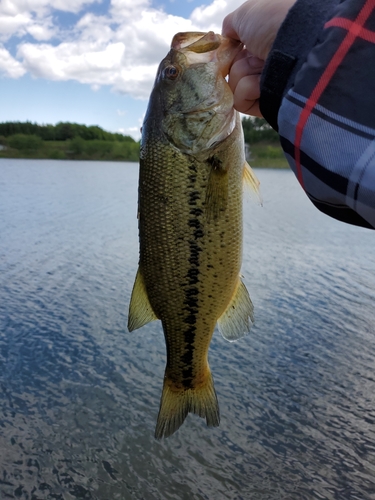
(91, 61)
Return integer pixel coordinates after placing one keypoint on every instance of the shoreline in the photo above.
(264, 164)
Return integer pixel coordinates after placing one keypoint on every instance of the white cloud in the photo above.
(134, 132)
(12, 7)
(121, 9)
(83, 61)
(34, 16)
(108, 51)
(23, 23)
(14, 25)
(92, 28)
(210, 17)
(42, 31)
(121, 49)
(65, 5)
(9, 66)
(149, 36)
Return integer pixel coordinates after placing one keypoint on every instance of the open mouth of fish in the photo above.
(201, 47)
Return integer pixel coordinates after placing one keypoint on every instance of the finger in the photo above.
(251, 108)
(244, 65)
(248, 88)
(228, 28)
(254, 110)
(253, 61)
(246, 95)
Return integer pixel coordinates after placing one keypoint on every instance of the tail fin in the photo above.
(176, 403)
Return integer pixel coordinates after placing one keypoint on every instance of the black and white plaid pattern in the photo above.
(327, 119)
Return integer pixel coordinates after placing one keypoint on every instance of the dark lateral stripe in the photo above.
(196, 211)
(194, 227)
(193, 197)
(187, 358)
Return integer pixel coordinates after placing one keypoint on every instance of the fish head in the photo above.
(191, 96)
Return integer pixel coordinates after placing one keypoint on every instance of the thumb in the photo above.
(228, 28)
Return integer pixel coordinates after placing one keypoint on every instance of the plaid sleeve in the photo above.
(326, 118)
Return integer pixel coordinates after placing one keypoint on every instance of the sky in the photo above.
(91, 61)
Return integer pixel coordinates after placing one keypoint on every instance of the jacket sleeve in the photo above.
(318, 92)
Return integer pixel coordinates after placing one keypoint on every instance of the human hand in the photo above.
(255, 23)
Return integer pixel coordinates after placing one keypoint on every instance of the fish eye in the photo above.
(170, 72)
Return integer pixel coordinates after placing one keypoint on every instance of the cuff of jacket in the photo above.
(296, 37)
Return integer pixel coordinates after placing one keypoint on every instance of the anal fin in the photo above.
(140, 310)
(238, 316)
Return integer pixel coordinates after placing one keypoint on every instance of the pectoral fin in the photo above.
(238, 317)
(250, 181)
(140, 310)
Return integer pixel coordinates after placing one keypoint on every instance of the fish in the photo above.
(192, 170)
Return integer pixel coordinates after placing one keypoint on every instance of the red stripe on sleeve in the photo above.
(341, 22)
(355, 30)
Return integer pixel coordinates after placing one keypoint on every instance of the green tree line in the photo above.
(264, 149)
(258, 130)
(65, 140)
(255, 130)
(62, 131)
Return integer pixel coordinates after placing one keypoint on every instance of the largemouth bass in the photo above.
(192, 167)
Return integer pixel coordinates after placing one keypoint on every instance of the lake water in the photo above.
(80, 395)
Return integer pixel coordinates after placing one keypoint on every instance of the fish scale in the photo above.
(190, 231)
(183, 260)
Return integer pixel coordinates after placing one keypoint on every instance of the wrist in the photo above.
(268, 16)
(296, 37)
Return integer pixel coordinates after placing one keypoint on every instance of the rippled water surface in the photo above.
(80, 395)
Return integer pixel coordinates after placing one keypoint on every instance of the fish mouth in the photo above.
(196, 41)
(200, 47)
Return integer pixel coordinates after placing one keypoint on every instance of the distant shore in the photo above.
(65, 141)
(74, 149)
(72, 141)
(259, 155)
(266, 155)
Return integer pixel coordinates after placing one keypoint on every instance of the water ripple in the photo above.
(79, 394)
